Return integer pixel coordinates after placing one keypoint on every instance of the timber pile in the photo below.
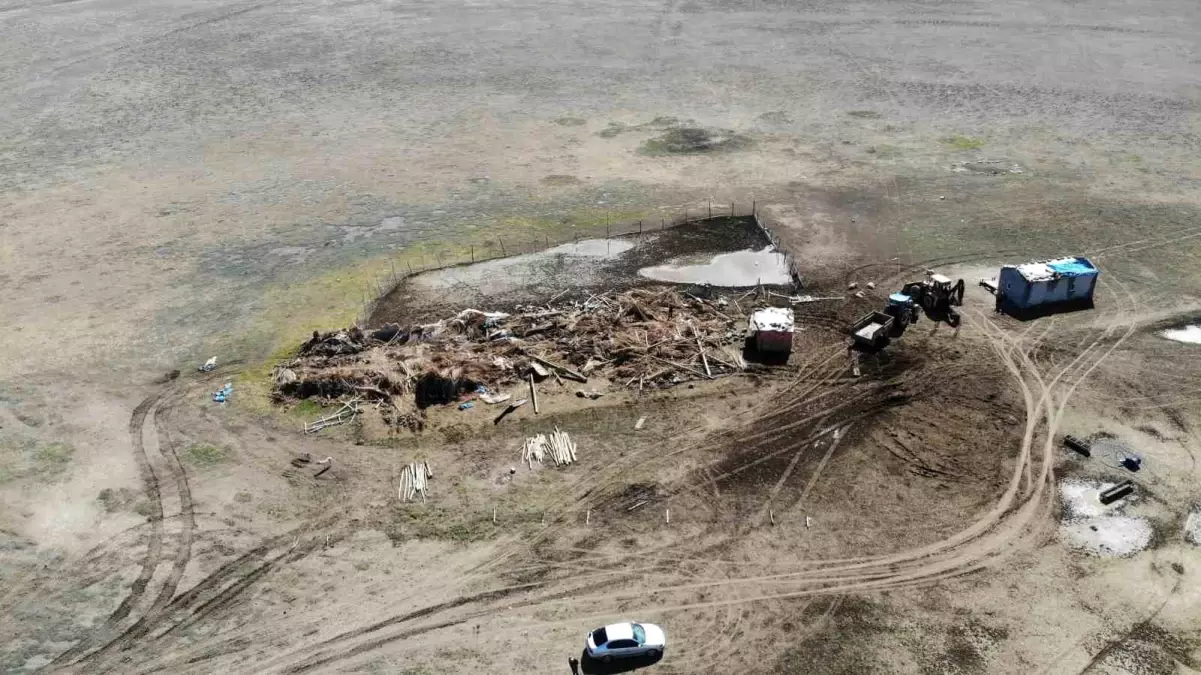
(641, 338)
(557, 445)
(413, 481)
(346, 413)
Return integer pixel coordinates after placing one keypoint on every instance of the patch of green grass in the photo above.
(695, 141)
(204, 455)
(31, 459)
(960, 142)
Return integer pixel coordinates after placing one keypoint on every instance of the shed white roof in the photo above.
(772, 319)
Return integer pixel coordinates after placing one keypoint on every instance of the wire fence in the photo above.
(508, 246)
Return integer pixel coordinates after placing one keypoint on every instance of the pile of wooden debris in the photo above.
(558, 446)
(636, 339)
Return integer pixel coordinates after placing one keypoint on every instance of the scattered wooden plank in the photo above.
(534, 395)
(563, 369)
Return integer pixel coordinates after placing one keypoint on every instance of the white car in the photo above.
(626, 640)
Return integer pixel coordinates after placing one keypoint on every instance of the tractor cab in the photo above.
(903, 310)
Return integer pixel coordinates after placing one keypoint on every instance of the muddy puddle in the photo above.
(737, 269)
(723, 252)
(1190, 334)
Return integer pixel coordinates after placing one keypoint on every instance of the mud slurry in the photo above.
(570, 271)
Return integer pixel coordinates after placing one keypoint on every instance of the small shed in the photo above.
(771, 328)
(1047, 285)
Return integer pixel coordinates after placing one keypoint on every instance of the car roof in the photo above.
(620, 631)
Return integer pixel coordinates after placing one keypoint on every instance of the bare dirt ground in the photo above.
(180, 180)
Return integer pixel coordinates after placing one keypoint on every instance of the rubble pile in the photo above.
(640, 338)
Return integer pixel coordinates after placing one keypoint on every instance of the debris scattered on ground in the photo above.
(222, 395)
(344, 414)
(507, 411)
(413, 481)
(638, 339)
(493, 399)
(327, 463)
(639, 423)
(590, 394)
(209, 365)
(302, 459)
(467, 405)
(557, 445)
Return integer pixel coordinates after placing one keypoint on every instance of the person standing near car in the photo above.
(575, 665)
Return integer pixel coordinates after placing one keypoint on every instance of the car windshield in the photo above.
(599, 637)
(639, 634)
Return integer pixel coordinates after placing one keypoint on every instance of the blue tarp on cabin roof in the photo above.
(1072, 267)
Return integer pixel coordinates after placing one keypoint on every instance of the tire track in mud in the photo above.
(211, 594)
(982, 544)
(154, 548)
(974, 548)
(183, 553)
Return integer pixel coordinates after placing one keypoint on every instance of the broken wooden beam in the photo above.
(563, 369)
(534, 395)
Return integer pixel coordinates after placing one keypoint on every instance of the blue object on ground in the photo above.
(466, 406)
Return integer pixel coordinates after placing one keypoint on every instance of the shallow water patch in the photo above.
(1190, 334)
(732, 270)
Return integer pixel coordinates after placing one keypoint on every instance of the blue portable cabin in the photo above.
(1042, 287)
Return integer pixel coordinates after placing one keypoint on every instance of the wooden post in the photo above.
(710, 208)
(640, 228)
(534, 395)
(493, 516)
(473, 254)
(772, 514)
(753, 209)
(502, 246)
(588, 518)
(667, 516)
